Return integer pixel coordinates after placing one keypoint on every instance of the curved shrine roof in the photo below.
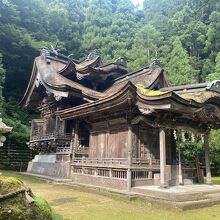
(146, 88)
(50, 73)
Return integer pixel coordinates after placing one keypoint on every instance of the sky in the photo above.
(140, 2)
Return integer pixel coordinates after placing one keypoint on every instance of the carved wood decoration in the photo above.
(48, 106)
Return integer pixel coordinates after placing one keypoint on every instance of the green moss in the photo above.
(149, 92)
(9, 184)
(43, 206)
(198, 97)
(17, 206)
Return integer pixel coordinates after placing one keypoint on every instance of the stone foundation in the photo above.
(100, 181)
(142, 182)
(48, 166)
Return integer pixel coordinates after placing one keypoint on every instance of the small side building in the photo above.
(106, 127)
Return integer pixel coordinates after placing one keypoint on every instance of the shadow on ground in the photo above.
(62, 201)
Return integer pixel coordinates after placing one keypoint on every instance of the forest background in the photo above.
(183, 34)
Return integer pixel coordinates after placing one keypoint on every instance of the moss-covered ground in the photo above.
(72, 204)
(17, 206)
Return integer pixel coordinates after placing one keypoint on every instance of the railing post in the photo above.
(110, 172)
(96, 172)
(83, 159)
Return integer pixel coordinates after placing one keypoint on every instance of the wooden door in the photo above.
(148, 146)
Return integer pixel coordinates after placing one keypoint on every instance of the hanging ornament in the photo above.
(175, 134)
(193, 137)
(202, 138)
(183, 136)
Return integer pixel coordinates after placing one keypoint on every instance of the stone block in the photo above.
(188, 181)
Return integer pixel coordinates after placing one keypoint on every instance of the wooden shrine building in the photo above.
(104, 126)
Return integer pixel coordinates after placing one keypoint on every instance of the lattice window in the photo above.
(119, 174)
(139, 174)
(77, 170)
(103, 172)
(89, 171)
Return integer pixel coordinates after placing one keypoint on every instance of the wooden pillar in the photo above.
(73, 145)
(129, 157)
(129, 179)
(56, 125)
(207, 159)
(150, 173)
(162, 157)
(76, 134)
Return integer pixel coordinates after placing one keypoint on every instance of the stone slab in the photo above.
(45, 158)
(57, 169)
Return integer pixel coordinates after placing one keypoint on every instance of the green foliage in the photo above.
(43, 207)
(191, 150)
(19, 119)
(179, 70)
(213, 33)
(2, 80)
(207, 68)
(145, 47)
(216, 74)
(214, 141)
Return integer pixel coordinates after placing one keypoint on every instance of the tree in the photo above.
(19, 50)
(145, 47)
(16, 117)
(214, 140)
(2, 80)
(213, 33)
(179, 70)
(109, 26)
(216, 74)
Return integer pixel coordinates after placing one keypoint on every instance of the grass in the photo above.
(216, 180)
(72, 204)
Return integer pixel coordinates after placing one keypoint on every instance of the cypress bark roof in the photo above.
(49, 75)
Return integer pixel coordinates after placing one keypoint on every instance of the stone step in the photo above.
(170, 196)
(180, 205)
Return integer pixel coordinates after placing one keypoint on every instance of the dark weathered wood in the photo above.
(162, 157)
(76, 134)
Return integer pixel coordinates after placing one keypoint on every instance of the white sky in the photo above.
(135, 2)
